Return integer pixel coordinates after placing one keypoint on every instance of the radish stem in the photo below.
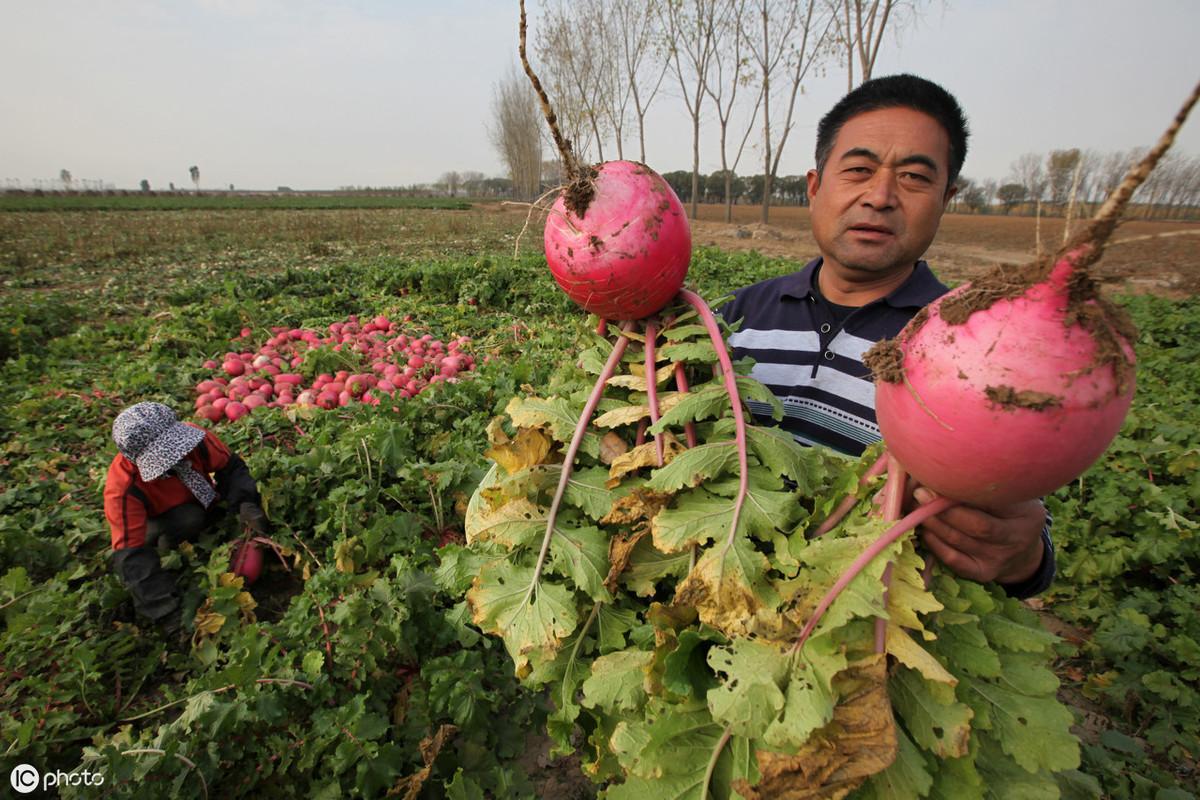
(712, 762)
(735, 400)
(681, 383)
(585, 418)
(893, 508)
(652, 387)
(893, 533)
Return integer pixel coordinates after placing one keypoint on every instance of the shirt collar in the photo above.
(920, 289)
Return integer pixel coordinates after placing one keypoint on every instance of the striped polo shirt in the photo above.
(812, 361)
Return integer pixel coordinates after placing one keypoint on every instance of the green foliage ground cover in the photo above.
(348, 663)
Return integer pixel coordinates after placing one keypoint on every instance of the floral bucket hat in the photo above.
(153, 438)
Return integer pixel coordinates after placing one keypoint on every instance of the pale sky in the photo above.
(324, 93)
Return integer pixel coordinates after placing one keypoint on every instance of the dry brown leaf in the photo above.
(528, 449)
(620, 547)
(410, 786)
(858, 742)
(612, 447)
(640, 505)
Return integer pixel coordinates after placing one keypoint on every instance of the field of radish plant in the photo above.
(363, 661)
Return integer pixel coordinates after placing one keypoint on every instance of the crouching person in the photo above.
(169, 482)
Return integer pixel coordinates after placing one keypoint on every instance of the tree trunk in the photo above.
(696, 162)
(728, 196)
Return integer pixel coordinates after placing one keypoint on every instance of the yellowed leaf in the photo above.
(902, 647)
(209, 622)
(344, 555)
(625, 415)
(529, 448)
(644, 455)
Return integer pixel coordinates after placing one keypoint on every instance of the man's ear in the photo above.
(814, 181)
(951, 190)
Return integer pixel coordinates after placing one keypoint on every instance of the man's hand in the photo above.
(251, 516)
(1002, 544)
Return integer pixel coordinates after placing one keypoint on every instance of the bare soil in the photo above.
(968, 244)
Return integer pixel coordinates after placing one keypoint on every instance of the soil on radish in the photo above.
(1008, 397)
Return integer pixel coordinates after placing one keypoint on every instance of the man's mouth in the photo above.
(871, 229)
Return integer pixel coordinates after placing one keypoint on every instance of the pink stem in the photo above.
(585, 419)
(652, 387)
(893, 509)
(601, 326)
(735, 400)
(681, 383)
(839, 513)
(893, 533)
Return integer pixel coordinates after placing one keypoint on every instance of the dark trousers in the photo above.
(154, 589)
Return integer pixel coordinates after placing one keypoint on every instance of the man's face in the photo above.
(877, 204)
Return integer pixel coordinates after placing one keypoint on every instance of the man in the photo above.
(888, 155)
(159, 492)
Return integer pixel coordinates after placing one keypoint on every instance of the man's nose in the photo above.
(880, 193)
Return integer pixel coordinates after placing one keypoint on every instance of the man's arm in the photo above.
(1008, 544)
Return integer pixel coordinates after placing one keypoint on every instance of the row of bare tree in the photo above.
(741, 63)
(1078, 179)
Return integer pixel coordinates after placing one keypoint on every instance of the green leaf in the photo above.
(775, 448)
(694, 466)
(1035, 731)
(957, 779)
(701, 352)
(685, 670)
(648, 565)
(698, 518)
(750, 389)
(667, 755)
(499, 606)
(587, 491)
(706, 403)
(313, 663)
(907, 778)
(810, 696)
(1006, 780)
(617, 682)
(612, 624)
(1011, 635)
(749, 696)
(581, 554)
(937, 721)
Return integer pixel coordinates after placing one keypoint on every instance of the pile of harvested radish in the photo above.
(717, 611)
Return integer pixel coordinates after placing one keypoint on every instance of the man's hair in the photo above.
(898, 91)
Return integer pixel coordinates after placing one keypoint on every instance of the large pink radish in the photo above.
(626, 255)
(1011, 386)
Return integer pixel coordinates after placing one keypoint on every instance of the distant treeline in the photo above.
(115, 200)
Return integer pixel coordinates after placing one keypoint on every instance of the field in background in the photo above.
(99, 310)
(152, 201)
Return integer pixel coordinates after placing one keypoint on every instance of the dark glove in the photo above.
(155, 594)
(252, 516)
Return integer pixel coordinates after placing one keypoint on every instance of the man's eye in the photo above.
(916, 176)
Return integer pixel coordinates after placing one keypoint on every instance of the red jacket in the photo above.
(129, 501)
